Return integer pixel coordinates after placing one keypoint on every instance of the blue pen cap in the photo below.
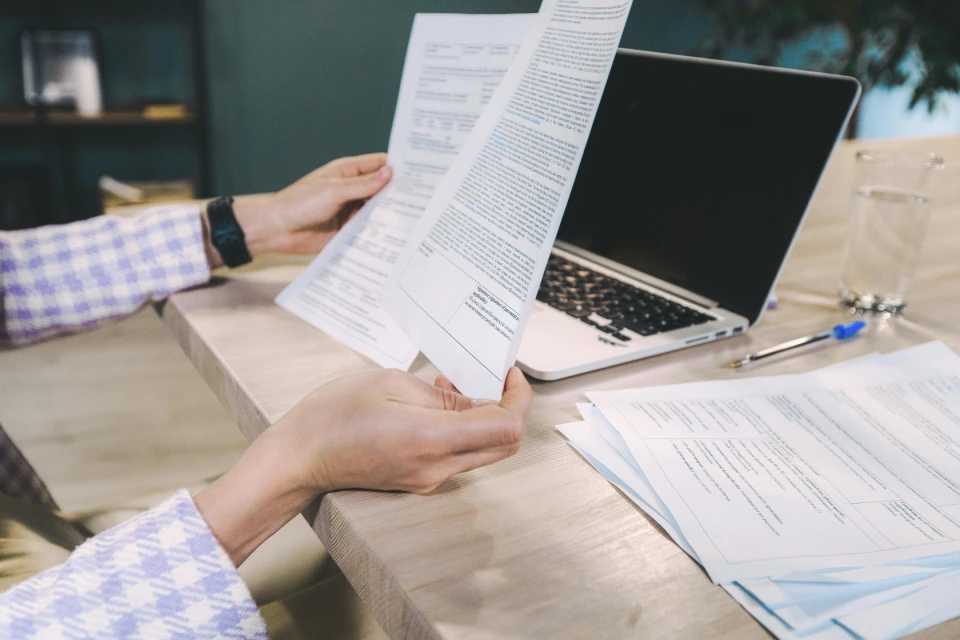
(844, 331)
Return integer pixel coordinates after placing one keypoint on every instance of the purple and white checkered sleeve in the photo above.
(63, 278)
(160, 575)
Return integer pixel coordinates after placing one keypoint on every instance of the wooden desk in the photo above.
(540, 546)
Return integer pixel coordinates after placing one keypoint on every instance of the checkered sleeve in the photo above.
(63, 278)
(162, 575)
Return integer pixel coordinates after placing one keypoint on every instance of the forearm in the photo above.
(59, 279)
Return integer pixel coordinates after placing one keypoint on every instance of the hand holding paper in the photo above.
(454, 64)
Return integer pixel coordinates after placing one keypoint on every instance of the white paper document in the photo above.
(937, 602)
(464, 285)
(454, 65)
(872, 602)
(794, 473)
(794, 606)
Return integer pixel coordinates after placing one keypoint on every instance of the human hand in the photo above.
(389, 430)
(304, 217)
(383, 430)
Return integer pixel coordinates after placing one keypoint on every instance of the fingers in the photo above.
(461, 424)
(357, 165)
(442, 397)
(450, 400)
(343, 190)
(517, 393)
(490, 426)
(476, 459)
(443, 382)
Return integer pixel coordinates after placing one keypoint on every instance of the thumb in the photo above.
(359, 188)
(517, 393)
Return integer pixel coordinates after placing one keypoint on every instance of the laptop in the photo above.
(693, 184)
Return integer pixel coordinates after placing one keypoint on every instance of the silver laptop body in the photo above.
(693, 186)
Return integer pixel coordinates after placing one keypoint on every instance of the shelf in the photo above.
(17, 118)
(107, 118)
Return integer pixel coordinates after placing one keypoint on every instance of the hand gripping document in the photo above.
(465, 283)
(453, 66)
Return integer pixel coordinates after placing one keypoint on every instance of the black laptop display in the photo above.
(699, 174)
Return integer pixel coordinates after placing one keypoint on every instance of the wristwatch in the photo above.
(225, 233)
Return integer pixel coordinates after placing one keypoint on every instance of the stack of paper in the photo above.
(826, 504)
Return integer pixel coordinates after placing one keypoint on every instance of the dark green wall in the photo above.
(295, 83)
(292, 84)
(146, 52)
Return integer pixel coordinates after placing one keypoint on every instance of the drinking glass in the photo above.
(888, 224)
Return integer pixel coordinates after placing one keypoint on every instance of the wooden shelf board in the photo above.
(107, 118)
(17, 118)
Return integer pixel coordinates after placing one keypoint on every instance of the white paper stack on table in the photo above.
(827, 504)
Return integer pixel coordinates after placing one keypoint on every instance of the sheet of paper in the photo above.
(453, 66)
(809, 616)
(818, 611)
(804, 603)
(751, 469)
(932, 605)
(464, 286)
(777, 626)
(589, 440)
(583, 436)
(793, 587)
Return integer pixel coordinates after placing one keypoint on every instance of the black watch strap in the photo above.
(226, 234)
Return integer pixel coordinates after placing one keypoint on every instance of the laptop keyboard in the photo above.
(592, 297)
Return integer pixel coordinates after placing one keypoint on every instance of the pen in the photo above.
(839, 332)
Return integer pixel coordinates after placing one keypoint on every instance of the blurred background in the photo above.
(189, 98)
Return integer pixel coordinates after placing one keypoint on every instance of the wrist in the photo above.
(256, 218)
(254, 499)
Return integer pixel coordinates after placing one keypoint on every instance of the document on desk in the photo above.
(453, 66)
(799, 473)
(846, 602)
(464, 285)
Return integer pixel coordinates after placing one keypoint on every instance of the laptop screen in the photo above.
(699, 174)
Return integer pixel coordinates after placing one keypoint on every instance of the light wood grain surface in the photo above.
(115, 415)
(540, 546)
